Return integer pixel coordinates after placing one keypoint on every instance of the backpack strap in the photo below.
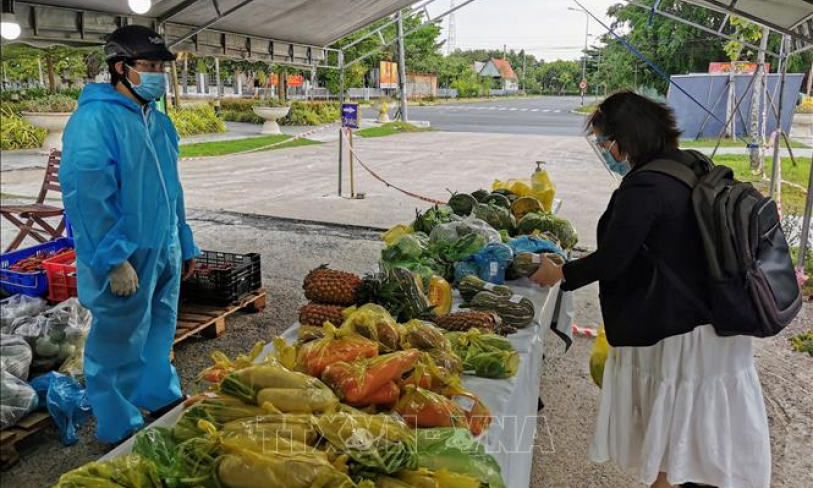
(675, 169)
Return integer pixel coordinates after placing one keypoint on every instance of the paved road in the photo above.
(538, 116)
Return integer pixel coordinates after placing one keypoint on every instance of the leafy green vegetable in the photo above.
(542, 222)
(464, 248)
(488, 355)
(406, 247)
(158, 444)
(457, 451)
(132, 471)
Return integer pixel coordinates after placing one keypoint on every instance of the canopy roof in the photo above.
(792, 17)
(311, 22)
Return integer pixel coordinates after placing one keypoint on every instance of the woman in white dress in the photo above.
(680, 405)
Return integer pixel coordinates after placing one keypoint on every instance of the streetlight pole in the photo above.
(584, 53)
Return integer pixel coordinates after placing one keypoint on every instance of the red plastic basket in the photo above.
(61, 277)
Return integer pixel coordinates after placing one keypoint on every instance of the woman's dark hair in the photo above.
(642, 128)
(115, 77)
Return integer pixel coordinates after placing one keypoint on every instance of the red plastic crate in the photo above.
(61, 277)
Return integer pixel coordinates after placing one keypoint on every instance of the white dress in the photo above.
(690, 406)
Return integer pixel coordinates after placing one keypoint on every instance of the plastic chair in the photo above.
(31, 218)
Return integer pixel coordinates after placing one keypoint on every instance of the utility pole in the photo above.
(402, 68)
(584, 53)
(451, 42)
(755, 146)
(523, 70)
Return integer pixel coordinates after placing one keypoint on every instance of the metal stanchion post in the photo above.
(341, 157)
(352, 173)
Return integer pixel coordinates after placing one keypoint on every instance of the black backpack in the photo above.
(752, 283)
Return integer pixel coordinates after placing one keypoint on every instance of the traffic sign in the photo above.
(350, 115)
(583, 85)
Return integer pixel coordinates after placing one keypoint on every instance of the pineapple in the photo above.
(317, 314)
(328, 286)
(463, 321)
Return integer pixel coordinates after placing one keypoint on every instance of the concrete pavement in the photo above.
(530, 116)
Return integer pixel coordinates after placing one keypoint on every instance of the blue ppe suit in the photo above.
(122, 194)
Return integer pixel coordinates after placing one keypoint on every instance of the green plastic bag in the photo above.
(132, 471)
(456, 450)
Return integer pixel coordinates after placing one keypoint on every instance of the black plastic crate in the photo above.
(213, 284)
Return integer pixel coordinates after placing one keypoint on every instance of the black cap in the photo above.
(136, 42)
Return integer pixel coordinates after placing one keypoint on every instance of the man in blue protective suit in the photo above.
(122, 194)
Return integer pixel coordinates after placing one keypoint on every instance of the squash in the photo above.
(498, 199)
(516, 311)
(472, 285)
(440, 296)
(480, 195)
(462, 204)
(527, 263)
(525, 205)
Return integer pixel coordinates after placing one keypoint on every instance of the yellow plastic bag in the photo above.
(599, 356)
(373, 322)
(393, 234)
(243, 468)
(541, 188)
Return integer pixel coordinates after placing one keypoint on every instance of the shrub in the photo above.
(269, 102)
(16, 133)
(241, 116)
(199, 119)
(312, 113)
(806, 107)
(237, 104)
(51, 104)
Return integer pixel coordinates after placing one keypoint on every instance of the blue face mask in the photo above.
(616, 166)
(152, 87)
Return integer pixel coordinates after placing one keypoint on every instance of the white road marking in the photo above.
(557, 111)
(546, 110)
(534, 110)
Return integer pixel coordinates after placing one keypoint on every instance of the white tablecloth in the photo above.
(512, 402)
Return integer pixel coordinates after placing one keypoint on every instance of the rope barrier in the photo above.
(386, 183)
(269, 146)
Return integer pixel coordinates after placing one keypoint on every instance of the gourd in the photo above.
(440, 296)
(525, 205)
(516, 311)
(472, 285)
(462, 204)
(498, 199)
(527, 263)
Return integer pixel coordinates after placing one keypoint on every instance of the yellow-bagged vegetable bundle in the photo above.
(337, 345)
(423, 478)
(224, 366)
(375, 323)
(456, 407)
(294, 427)
(246, 469)
(286, 390)
(216, 409)
(425, 336)
(131, 471)
(375, 443)
(371, 381)
(487, 355)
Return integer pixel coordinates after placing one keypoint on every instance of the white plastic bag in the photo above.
(17, 399)
(15, 356)
(19, 306)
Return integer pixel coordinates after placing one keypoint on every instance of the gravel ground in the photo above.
(571, 404)
(291, 249)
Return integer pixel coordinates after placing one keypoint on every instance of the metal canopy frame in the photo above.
(802, 40)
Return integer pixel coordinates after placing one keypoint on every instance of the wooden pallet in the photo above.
(196, 320)
(11, 437)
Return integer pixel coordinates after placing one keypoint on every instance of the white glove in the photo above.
(123, 280)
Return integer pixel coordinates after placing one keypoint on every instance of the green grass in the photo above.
(793, 199)
(728, 143)
(587, 109)
(221, 148)
(391, 129)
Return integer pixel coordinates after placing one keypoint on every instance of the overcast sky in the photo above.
(545, 28)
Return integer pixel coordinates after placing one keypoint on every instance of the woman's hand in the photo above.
(549, 273)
